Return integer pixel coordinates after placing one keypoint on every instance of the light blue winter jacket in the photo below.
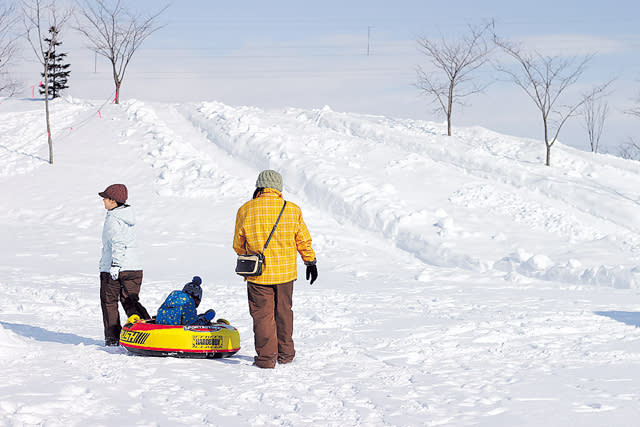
(119, 244)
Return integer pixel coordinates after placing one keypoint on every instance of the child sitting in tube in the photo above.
(179, 308)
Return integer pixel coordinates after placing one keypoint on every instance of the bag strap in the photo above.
(274, 227)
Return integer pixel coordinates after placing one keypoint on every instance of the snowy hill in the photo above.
(462, 282)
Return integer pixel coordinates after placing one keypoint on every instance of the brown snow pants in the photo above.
(126, 290)
(270, 308)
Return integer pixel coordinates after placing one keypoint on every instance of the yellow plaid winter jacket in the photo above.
(254, 222)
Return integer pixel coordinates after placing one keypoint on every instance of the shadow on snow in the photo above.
(41, 334)
(33, 156)
(628, 317)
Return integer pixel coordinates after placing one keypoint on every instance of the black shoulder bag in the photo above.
(251, 264)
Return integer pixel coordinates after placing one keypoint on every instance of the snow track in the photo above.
(461, 282)
(390, 169)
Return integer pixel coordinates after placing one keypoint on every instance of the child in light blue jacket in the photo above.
(179, 308)
(120, 264)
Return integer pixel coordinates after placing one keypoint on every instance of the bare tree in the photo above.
(7, 47)
(594, 111)
(635, 111)
(545, 79)
(39, 16)
(630, 150)
(455, 62)
(116, 33)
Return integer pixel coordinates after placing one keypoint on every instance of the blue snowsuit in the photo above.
(178, 309)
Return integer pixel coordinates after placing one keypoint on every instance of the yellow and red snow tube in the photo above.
(216, 340)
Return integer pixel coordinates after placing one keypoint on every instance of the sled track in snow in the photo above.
(249, 133)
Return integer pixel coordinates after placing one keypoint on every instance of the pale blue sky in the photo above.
(310, 54)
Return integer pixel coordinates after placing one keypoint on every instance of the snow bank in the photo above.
(461, 282)
(399, 178)
(12, 344)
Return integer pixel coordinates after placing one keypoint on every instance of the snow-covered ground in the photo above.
(462, 282)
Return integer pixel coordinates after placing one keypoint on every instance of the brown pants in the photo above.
(270, 308)
(125, 289)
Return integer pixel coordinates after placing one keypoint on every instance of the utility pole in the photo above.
(368, 39)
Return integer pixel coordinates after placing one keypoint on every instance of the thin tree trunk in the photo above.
(46, 107)
(117, 83)
(546, 140)
(450, 108)
(548, 155)
(117, 98)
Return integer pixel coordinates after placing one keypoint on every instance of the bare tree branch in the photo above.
(545, 79)
(630, 150)
(635, 111)
(38, 17)
(115, 33)
(8, 47)
(455, 63)
(594, 112)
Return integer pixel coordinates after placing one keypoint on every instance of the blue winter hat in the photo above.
(193, 288)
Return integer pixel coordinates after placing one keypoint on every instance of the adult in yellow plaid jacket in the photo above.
(270, 294)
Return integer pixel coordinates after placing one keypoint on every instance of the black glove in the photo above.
(312, 271)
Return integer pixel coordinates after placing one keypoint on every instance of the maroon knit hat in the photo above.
(117, 192)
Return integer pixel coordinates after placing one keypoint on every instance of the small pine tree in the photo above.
(57, 70)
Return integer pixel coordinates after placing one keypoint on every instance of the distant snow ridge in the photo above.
(354, 166)
(324, 165)
(184, 170)
(477, 200)
(542, 267)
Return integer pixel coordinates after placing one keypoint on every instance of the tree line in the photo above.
(110, 29)
(116, 33)
(546, 80)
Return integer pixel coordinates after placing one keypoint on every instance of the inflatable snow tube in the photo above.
(212, 341)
